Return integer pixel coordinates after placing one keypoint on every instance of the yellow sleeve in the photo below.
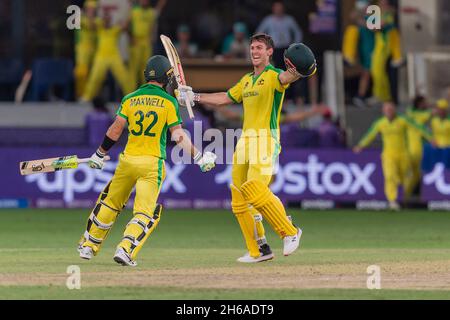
(235, 92)
(173, 115)
(123, 109)
(370, 135)
(420, 129)
(278, 86)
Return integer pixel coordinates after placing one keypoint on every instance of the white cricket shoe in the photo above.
(86, 252)
(123, 258)
(247, 258)
(394, 206)
(291, 243)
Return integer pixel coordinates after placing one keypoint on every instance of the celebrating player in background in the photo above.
(396, 161)
(143, 21)
(261, 93)
(420, 114)
(149, 112)
(107, 58)
(86, 39)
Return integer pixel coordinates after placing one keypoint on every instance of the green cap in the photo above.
(302, 58)
(158, 69)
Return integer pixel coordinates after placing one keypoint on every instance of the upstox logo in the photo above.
(318, 178)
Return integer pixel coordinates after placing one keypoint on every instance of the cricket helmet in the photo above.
(158, 69)
(302, 58)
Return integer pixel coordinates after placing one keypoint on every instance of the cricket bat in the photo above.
(175, 62)
(52, 164)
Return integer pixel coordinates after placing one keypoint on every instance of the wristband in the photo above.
(196, 97)
(100, 154)
(107, 143)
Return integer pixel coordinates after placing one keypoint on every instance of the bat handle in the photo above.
(86, 160)
(189, 105)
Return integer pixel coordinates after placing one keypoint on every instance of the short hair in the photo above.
(263, 37)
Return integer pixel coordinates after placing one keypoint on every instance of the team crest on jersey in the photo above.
(261, 82)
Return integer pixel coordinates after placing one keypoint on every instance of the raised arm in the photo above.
(160, 6)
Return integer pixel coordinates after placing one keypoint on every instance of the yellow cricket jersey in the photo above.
(262, 98)
(86, 36)
(150, 111)
(441, 131)
(393, 133)
(108, 40)
(421, 118)
(142, 22)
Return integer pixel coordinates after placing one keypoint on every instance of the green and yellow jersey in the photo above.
(142, 23)
(421, 118)
(108, 39)
(393, 133)
(262, 98)
(150, 111)
(441, 131)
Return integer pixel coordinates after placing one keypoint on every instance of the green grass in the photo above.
(36, 242)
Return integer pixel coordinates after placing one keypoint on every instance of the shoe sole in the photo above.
(122, 262)
(300, 232)
(260, 259)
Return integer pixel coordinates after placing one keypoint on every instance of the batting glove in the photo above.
(206, 162)
(96, 160)
(185, 95)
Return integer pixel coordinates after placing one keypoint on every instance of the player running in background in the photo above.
(261, 93)
(86, 40)
(142, 25)
(107, 58)
(149, 112)
(395, 157)
(421, 115)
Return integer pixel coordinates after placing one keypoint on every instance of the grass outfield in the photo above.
(192, 255)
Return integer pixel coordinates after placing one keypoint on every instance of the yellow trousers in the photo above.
(83, 62)
(397, 171)
(99, 71)
(146, 174)
(253, 168)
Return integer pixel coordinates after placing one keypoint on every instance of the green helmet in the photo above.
(158, 69)
(302, 58)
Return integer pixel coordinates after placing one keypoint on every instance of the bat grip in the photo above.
(189, 104)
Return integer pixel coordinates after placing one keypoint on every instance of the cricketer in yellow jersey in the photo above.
(143, 19)
(261, 93)
(85, 47)
(440, 124)
(107, 58)
(421, 115)
(395, 158)
(149, 112)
